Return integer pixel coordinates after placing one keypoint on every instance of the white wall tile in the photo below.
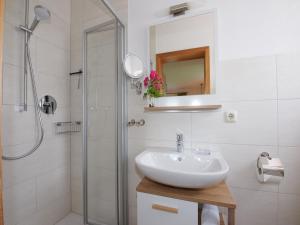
(71, 219)
(55, 31)
(247, 79)
(242, 162)
(53, 154)
(290, 184)
(62, 8)
(19, 128)
(77, 200)
(76, 59)
(76, 96)
(14, 12)
(261, 125)
(163, 126)
(13, 78)
(255, 207)
(93, 11)
(50, 215)
(15, 123)
(288, 76)
(13, 50)
(56, 86)
(51, 60)
(250, 86)
(52, 186)
(19, 201)
(256, 124)
(288, 209)
(17, 171)
(289, 122)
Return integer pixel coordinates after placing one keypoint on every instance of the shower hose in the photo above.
(37, 112)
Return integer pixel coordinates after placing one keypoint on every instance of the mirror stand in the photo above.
(137, 85)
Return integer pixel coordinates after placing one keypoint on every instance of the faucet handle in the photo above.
(179, 137)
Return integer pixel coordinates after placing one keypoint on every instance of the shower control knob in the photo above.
(131, 123)
(48, 104)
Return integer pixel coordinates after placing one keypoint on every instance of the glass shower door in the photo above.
(100, 136)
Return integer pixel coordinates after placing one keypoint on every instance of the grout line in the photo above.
(204, 142)
(277, 116)
(252, 189)
(277, 132)
(36, 193)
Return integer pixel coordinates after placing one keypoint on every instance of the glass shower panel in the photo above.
(101, 116)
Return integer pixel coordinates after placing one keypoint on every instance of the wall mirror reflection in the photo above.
(182, 52)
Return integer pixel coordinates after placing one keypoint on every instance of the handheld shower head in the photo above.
(41, 13)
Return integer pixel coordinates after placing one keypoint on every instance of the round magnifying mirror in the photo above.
(133, 66)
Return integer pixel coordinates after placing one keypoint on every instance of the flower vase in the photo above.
(151, 101)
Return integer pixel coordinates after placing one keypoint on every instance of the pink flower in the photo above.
(157, 86)
(153, 74)
(146, 81)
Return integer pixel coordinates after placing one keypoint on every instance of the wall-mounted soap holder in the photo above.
(268, 167)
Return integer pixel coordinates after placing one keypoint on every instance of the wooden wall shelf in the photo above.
(182, 108)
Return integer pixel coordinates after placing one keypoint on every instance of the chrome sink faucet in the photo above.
(179, 142)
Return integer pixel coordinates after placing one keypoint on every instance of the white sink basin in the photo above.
(190, 169)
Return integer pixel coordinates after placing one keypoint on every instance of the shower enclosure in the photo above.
(104, 113)
(73, 52)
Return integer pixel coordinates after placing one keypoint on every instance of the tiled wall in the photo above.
(260, 84)
(37, 188)
(267, 121)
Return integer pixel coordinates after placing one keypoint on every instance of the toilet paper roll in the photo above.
(263, 178)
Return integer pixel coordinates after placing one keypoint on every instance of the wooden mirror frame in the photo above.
(184, 55)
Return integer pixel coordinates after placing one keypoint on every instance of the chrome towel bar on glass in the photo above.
(79, 72)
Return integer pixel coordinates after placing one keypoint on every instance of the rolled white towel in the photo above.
(210, 215)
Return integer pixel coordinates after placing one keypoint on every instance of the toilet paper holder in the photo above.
(268, 166)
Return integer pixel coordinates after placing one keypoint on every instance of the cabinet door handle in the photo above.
(165, 208)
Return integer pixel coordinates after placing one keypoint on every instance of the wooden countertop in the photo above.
(218, 195)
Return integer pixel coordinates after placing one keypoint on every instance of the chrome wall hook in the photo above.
(141, 123)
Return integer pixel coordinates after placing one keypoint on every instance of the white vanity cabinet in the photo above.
(158, 204)
(158, 210)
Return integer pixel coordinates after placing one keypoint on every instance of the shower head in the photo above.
(41, 13)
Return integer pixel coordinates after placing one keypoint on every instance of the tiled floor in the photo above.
(71, 219)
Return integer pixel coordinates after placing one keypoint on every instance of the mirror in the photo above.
(182, 52)
(133, 66)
